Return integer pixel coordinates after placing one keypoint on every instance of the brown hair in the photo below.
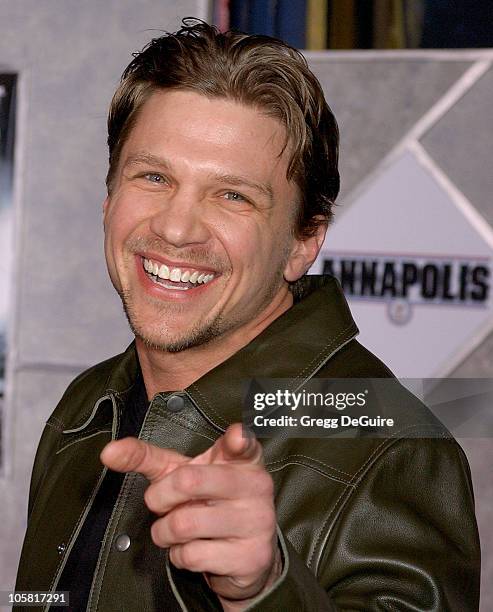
(255, 70)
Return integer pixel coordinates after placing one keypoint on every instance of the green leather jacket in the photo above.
(364, 524)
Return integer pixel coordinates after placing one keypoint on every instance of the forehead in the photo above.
(188, 128)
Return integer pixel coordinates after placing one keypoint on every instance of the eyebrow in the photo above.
(146, 158)
(229, 179)
(238, 181)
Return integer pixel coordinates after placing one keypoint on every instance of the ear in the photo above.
(304, 252)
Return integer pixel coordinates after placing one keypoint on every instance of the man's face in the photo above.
(198, 227)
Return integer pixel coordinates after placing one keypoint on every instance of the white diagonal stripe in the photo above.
(469, 211)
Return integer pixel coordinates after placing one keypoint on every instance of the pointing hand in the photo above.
(216, 511)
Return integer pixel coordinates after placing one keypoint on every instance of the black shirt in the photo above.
(78, 572)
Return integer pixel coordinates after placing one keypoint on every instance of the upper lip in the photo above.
(176, 264)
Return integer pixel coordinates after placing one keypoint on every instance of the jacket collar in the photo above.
(294, 346)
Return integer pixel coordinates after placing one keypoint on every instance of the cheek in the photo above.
(117, 229)
(247, 244)
(123, 217)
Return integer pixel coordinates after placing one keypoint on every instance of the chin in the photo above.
(159, 340)
(171, 345)
(156, 339)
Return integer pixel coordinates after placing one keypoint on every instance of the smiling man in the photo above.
(144, 494)
(200, 239)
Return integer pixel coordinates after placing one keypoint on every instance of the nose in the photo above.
(179, 220)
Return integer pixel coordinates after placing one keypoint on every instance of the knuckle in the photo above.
(270, 520)
(265, 484)
(266, 518)
(265, 556)
(187, 479)
(181, 523)
(190, 557)
(262, 554)
(257, 556)
(151, 498)
(175, 556)
(156, 533)
(261, 517)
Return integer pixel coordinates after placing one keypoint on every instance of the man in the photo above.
(222, 177)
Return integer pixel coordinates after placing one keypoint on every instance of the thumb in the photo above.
(134, 455)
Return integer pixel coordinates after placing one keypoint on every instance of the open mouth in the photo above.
(178, 279)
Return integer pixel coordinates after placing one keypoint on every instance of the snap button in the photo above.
(122, 542)
(175, 403)
(61, 548)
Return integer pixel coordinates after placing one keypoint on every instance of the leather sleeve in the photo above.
(297, 589)
(406, 539)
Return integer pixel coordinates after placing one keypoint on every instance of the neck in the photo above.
(163, 371)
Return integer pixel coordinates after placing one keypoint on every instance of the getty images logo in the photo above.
(407, 281)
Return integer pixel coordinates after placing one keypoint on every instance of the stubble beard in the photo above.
(200, 332)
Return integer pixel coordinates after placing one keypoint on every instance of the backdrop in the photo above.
(417, 187)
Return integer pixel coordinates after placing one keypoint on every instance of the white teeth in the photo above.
(174, 287)
(164, 272)
(175, 275)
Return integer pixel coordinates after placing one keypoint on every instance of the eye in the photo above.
(157, 179)
(234, 196)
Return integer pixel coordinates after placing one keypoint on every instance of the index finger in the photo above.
(233, 447)
(134, 455)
